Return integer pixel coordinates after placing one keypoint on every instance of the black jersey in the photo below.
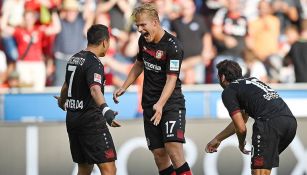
(83, 70)
(159, 60)
(255, 97)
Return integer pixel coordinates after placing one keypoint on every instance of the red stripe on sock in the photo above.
(186, 173)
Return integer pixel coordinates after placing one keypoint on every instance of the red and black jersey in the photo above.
(256, 98)
(83, 70)
(159, 60)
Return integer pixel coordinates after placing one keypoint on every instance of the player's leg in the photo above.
(175, 151)
(107, 168)
(155, 143)
(99, 149)
(287, 129)
(265, 148)
(85, 169)
(261, 172)
(163, 162)
(173, 127)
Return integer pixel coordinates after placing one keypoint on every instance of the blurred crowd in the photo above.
(267, 38)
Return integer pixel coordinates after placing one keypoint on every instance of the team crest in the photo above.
(159, 54)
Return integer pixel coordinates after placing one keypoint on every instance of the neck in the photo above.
(93, 49)
(159, 35)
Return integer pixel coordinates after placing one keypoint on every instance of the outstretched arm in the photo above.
(134, 73)
(229, 131)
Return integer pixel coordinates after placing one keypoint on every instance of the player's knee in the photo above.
(160, 155)
(107, 169)
(110, 170)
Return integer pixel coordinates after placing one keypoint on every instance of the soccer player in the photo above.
(274, 127)
(160, 56)
(87, 112)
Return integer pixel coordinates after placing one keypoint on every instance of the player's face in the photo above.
(146, 25)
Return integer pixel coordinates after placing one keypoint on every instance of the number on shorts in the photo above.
(72, 69)
(171, 124)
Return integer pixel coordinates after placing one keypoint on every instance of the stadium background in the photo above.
(33, 138)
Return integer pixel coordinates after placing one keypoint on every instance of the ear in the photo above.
(222, 78)
(103, 43)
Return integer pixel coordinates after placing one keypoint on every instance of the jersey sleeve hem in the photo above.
(235, 112)
(94, 84)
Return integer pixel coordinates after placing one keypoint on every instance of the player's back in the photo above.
(258, 99)
(82, 71)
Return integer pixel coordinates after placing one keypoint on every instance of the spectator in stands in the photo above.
(30, 64)
(298, 54)
(229, 31)
(119, 11)
(195, 36)
(255, 68)
(286, 11)
(263, 38)
(3, 68)
(71, 38)
(12, 15)
(264, 32)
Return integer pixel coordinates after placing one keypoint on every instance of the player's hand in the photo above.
(109, 115)
(118, 93)
(114, 122)
(60, 104)
(156, 118)
(242, 148)
(212, 146)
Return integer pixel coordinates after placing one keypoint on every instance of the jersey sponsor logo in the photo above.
(74, 104)
(153, 67)
(159, 54)
(174, 65)
(97, 78)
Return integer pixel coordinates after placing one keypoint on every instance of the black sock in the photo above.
(184, 168)
(167, 171)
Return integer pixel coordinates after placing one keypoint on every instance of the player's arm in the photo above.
(134, 73)
(101, 102)
(63, 96)
(240, 129)
(166, 93)
(227, 132)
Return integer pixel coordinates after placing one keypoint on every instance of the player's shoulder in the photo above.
(90, 58)
(172, 41)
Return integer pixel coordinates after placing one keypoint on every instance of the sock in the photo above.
(168, 171)
(184, 170)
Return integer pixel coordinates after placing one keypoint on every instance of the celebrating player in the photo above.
(160, 56)
(87, 112)
(274, 127)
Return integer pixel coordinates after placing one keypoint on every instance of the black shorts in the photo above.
(92, 149)
(269, 139)
(170, 129)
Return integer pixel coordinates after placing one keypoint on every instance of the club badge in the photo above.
(159, 54)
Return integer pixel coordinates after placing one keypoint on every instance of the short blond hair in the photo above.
(146, 8)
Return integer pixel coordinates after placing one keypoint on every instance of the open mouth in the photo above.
(146, 34)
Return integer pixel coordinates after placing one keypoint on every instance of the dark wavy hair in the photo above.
(97, 33)
(230, 69)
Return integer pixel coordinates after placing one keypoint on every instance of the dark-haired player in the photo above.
(160, 56)
(274, 127)
(87, 112)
